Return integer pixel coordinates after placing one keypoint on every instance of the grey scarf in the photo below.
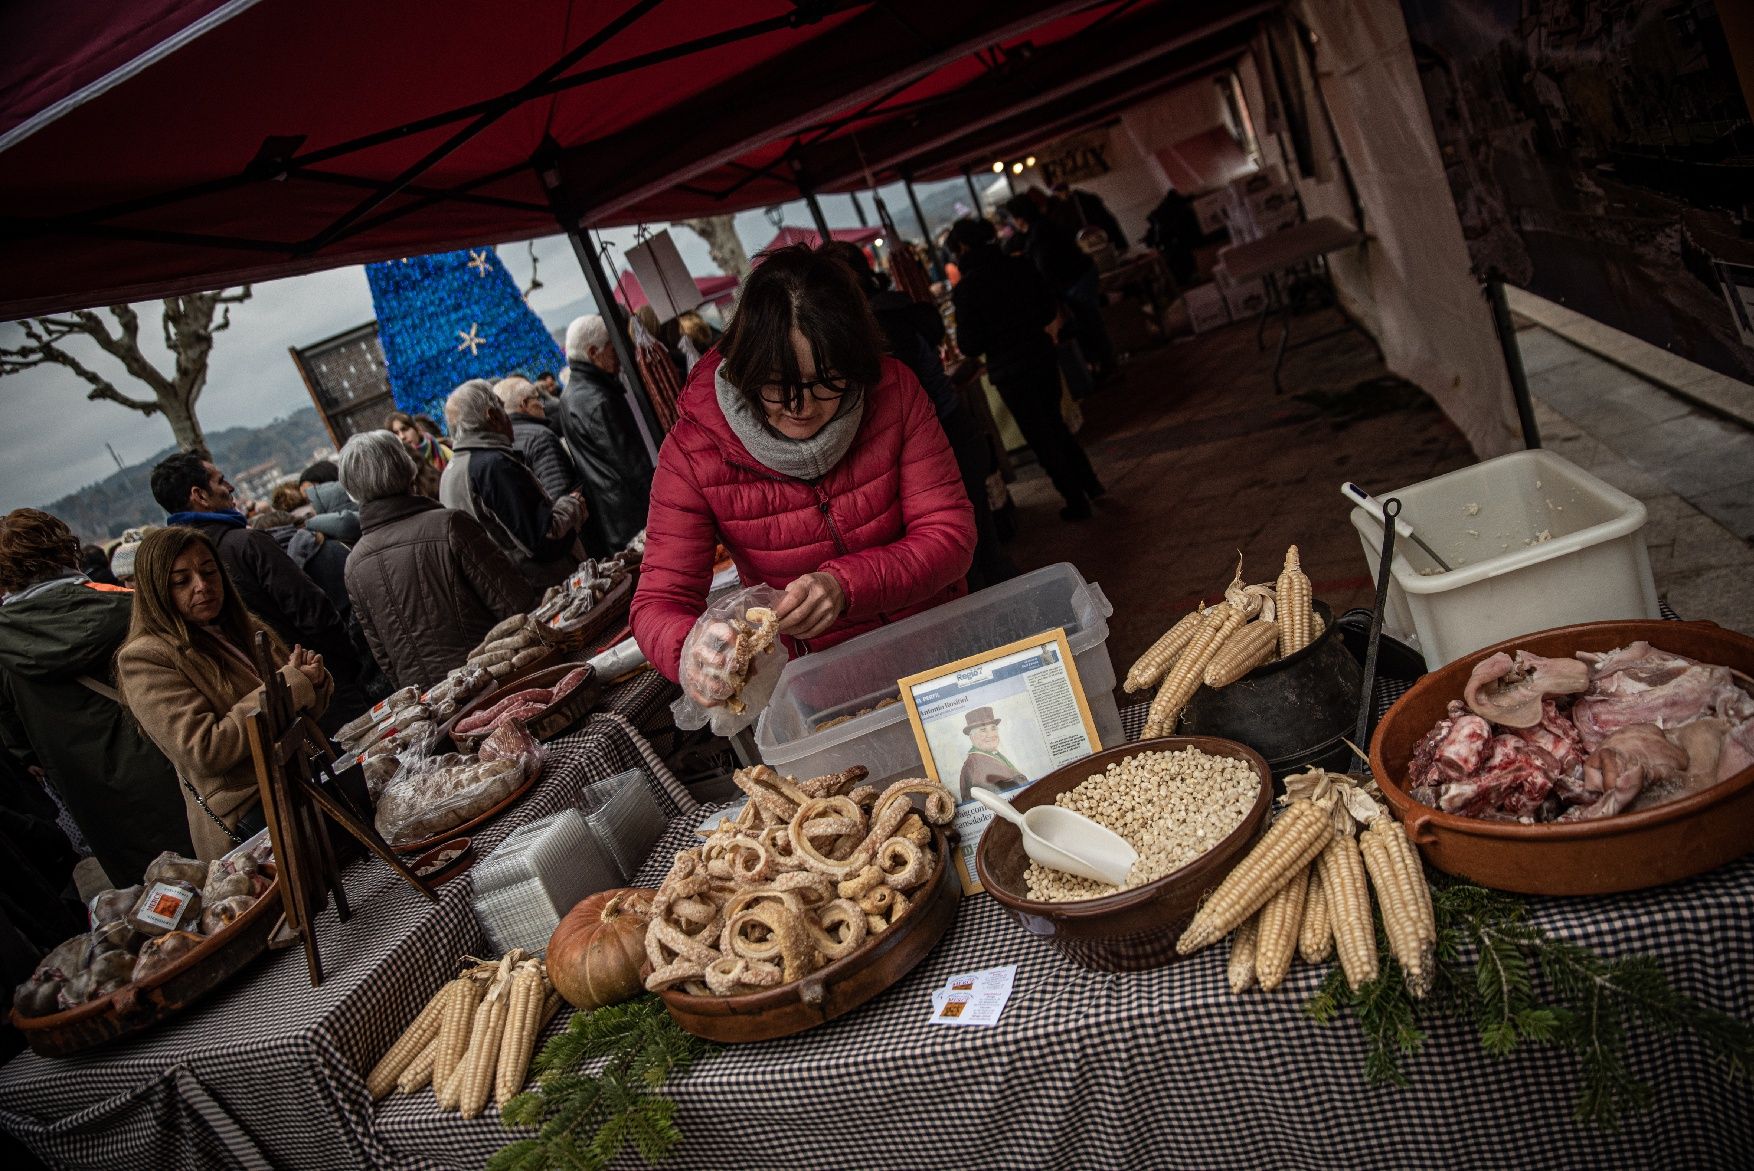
(803, 459)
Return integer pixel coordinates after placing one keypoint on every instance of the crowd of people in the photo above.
(819, 441)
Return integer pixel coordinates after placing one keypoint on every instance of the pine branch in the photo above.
(1590, 1003)
(587, 1119)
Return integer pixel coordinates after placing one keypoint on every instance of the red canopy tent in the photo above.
(190, 144)
(791, 234)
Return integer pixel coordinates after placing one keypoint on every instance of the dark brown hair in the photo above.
(34, 546)
(155, 611)
(395, 417)
(810, 290)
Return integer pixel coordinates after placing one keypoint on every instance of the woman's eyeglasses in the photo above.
(823, 390)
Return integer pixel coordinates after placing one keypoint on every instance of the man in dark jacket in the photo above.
(604, 438)
(914, 331)
(195, 493)
(59, 714)
(427, 582)
(535, 439)
(490, 481)
(1003, 310)
(1071, 274)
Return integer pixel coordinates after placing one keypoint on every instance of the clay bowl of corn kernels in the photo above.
(1134, 928)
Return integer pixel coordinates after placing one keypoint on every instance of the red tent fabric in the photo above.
(790, 234)
(172, 145)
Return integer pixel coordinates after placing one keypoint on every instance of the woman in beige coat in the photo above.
(188, 676)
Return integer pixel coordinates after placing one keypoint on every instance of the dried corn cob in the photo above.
(1296, 613)
(1241, 968)
(1248, 647)
(1154, 662)
(528, 993)
(1315, 936)
(482, 1060)
(1405, 899)
(1279, 920)
(1184, 678)
(1297, 836)
(408, 1046)
(419, 1071)
(1348, 900)
(465, 993)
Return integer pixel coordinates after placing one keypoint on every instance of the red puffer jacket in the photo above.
(891, 522)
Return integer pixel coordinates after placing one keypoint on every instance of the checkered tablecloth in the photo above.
(267, 1072)
(1161, 1069)
(1167, 1069)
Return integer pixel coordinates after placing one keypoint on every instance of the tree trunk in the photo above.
(720, 234)
(186, 428)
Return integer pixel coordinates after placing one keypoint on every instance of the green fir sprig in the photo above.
(586, 1119)
(1518, 986)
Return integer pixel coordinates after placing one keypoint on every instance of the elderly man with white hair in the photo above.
(539, 443)
(427, 582)
(490, 481)
(605, 441)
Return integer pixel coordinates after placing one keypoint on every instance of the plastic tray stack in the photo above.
(543, 869)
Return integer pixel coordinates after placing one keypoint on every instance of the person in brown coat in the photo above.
(426, 582)
(188, 677)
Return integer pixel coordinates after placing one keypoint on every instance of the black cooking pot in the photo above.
(1292, 711)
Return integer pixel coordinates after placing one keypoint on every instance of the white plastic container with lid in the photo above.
(1533, 542)
(862, 673)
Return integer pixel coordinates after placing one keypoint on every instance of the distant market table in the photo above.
(267, 1071)
(1283, 252)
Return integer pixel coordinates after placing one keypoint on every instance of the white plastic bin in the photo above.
(859, 674)
(1533, 542)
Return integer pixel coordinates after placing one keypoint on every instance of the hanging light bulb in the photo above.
(999, 168)
(1017, 168)
(1030, 161)
(877, 243)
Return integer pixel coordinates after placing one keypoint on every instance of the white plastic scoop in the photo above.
(1063, 840)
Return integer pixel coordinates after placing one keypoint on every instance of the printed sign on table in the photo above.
(1000, 721)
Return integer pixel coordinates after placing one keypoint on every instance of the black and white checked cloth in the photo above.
(1145, 1069)
(267, 1072)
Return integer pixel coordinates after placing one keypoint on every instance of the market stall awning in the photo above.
(195, 144)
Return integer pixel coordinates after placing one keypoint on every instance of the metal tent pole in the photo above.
(972, 192)
(913, 201)
(1513, 357)
(604, 295)
(816, 214)
(859, 209)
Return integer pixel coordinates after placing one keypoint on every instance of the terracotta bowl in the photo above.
(1135, 928)
(1629, 851)
(837, 988)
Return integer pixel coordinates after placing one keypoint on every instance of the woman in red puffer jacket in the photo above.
(818, 462)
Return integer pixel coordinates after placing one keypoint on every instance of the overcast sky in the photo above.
(52, 439)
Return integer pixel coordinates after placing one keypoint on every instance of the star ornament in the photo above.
(478, 261)
(472, 340)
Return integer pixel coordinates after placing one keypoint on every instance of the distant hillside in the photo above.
(102, 510)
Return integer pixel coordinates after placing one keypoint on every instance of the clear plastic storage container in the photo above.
(1533, 542)
(862, 673)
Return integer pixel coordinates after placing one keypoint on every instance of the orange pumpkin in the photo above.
(595, 954)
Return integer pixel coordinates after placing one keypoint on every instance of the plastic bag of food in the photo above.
(512, 741)
(428, 798)
(732, 660)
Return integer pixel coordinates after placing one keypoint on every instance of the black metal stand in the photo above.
(816, 214)
(1513, 358)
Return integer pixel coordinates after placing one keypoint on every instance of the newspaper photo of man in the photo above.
(985, 764)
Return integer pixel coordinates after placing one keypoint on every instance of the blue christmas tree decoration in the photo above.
(452, 316)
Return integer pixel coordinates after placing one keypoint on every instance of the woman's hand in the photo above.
(810, 605)
(309, 664)
(704, 674)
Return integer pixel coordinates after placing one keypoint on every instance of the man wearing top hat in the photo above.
(985, 765)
